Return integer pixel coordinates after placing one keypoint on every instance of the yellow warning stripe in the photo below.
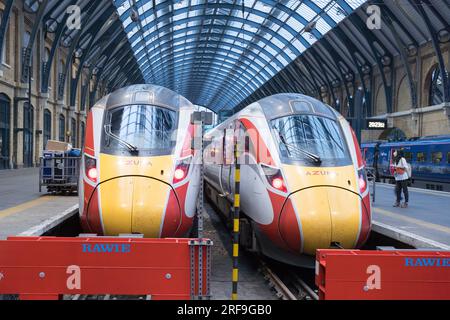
(237, 200)
(237, 175)
(235, 275)
(24, 206)
(236, 225)
(235, 250)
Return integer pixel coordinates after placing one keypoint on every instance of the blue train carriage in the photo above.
(428, 156)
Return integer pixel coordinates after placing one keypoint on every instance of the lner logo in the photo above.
(106, 248)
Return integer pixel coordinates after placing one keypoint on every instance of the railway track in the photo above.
(286, 283)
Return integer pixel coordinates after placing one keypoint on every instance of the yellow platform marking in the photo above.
(24, 206)
(419, 222)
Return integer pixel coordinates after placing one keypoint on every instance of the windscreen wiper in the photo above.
(128, 145)
(308, 154)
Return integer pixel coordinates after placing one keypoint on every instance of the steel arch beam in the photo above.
(436, 46)
(280, 23)
(47, 66)
(223, 28)
(5, 22)
(191, 57)
(28, 53)
(160, 63)
(217, 69)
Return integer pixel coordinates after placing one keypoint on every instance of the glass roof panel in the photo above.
(239, 43)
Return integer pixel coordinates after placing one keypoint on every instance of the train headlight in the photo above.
(274, 177)
(277, 183)
(90, 167)
(181, 170)
(362, 180)
(179, 174)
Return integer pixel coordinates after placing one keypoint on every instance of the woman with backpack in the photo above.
(401, 178)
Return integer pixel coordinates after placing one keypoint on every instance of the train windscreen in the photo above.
(311, 139)
(139, 129)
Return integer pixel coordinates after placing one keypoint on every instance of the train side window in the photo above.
(448, 157)
(421, 157)
(408, 157)
(436, 157)
(228, 146)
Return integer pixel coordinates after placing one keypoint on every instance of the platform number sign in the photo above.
(376, 124)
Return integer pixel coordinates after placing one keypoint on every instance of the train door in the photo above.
(228, 157)
(5, 104)
(28, 128)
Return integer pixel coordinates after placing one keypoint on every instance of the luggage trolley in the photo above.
(59, 171)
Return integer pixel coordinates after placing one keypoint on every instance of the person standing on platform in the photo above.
(401, 178)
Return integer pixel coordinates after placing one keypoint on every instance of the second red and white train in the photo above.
(303, 184)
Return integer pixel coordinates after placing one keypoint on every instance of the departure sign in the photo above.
(376, 124)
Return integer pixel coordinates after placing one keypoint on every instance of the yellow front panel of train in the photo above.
(313, 209)
(149, 202)
(132, 200)
(328, 205)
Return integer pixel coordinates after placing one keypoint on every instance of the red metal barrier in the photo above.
(47, 267)
(383, 275)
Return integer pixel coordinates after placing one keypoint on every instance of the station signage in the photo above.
(376, 124)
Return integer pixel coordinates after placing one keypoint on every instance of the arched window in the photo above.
(62, 66)
(5, 105)
(6, 47)
(26, 38)
(46, 61)
(380, 101)
(436, 89)
(404, 101)
(62, 128)
(28, 130)
(47, 126)
(73, 133)
(82, 128)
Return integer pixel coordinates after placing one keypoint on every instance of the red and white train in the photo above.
(137, 173)
(303, 183)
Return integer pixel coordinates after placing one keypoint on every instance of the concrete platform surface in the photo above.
(427, 216)
(18, 186)
(22, 207)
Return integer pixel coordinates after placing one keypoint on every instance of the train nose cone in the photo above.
(324, 215)
(135, 205)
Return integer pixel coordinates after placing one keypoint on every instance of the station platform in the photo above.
(25, 211)
(424, 224)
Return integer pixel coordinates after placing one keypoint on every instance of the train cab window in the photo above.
(408, 156)
(421, 157)
(311, 139)
(143, 129)
(436, 157)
